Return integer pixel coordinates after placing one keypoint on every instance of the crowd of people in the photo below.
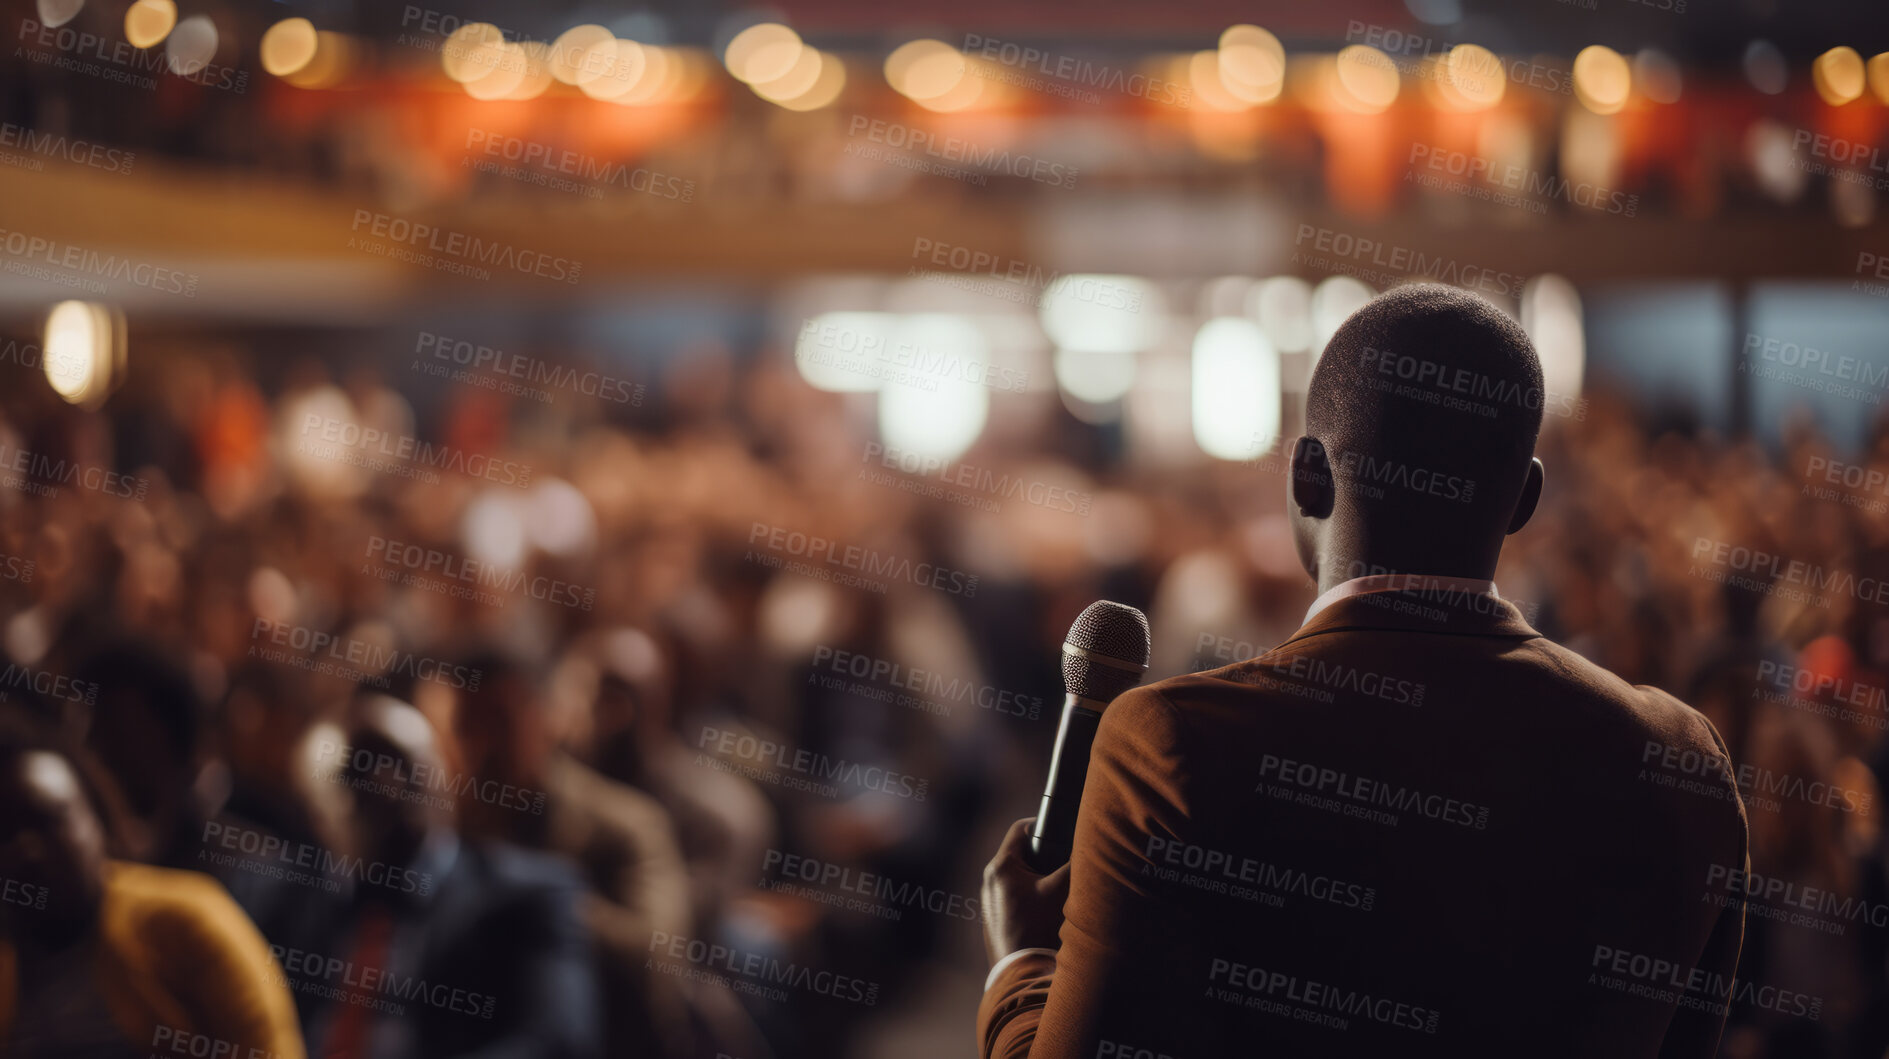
(681, 727)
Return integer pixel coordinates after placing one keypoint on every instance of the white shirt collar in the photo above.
(1358, 586)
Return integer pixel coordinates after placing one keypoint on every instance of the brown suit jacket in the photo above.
(1415, 828)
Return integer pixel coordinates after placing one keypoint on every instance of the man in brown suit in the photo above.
(1415, 828)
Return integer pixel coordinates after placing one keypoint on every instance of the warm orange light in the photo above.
(579, 53)
(1838, 75)
(334, 55)
(1473, 77)
(621, 66)
(826, 86)
(1365, 79)
(1252, 64)
(506, 73)
(763, 52)
(148, 22)
(1601, 79)
(795, 82)
(1211, 92)
(289, 46)
(537, 77)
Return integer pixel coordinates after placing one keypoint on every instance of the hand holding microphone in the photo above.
(1025, 884)
(1105, 654)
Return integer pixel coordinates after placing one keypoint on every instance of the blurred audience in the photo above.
(566, 669)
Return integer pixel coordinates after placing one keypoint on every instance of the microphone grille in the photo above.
(1112, 630)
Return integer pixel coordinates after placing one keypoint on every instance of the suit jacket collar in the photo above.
(1444, 611)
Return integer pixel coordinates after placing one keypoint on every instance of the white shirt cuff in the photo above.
(998, 967)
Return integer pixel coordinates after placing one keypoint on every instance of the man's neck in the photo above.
(1335, 570)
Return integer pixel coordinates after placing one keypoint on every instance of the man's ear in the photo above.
(1531, 495)
(1311, 487)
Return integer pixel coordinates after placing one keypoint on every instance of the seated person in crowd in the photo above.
(515, 730)
(434, 945)
(106, 959)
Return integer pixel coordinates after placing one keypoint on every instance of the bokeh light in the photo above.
(289, 46)
(1602, 79)
(1236, 411)
(191, 45)
(1765, 67)
(1252, 64)
(148, 22)
(1838, 75)
(762, 53)
(1365, 79)
(1657, 75)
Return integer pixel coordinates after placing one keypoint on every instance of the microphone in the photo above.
(1105, 654)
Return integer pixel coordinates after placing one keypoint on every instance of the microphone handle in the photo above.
(1054, 833)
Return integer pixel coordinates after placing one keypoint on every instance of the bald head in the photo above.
(1421, 421)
